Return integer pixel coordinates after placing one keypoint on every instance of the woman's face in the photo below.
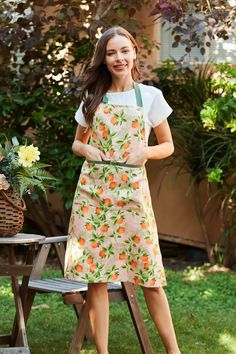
(119, 57)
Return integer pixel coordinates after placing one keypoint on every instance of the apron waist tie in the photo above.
(114, 163)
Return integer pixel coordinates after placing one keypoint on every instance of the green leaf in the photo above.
(120, 12)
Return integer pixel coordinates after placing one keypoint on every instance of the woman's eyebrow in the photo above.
(113, 50)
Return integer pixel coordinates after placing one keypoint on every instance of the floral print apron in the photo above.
(112, 232)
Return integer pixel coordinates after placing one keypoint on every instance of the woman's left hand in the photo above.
(137, 157)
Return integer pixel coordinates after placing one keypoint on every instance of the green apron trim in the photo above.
(114, 163)
(104, 99)
(138, 96)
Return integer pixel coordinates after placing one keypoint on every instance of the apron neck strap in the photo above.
(138, 96)
(105, 99)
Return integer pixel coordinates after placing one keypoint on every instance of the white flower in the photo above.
(28, 155)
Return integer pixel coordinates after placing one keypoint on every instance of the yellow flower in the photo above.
(28, 155)
(4, 185)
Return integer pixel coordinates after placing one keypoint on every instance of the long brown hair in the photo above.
(97, 78)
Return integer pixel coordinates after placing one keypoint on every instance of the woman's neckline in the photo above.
(115, 92)
(126, 91)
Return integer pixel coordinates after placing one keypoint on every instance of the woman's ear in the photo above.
(135, 54)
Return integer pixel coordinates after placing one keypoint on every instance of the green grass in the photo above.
(203, 307)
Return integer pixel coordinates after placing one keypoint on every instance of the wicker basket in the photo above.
(12, 208)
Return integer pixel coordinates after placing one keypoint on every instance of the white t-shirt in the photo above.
(155, 107)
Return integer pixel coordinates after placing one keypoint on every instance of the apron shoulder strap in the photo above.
(138, 95)
(105, 99)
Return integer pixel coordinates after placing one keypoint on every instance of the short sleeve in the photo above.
(79, 116)
(159, 109)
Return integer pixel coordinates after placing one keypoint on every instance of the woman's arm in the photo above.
(165, 145)
(80, 146)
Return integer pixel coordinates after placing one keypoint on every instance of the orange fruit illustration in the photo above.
(146, 265)
(134, 124)
(79, 268)
(110, 177)
(114, 120)
(83, 180)
(122, 256)
(133, 264)
(155, 250)
(111, 152)
(81, 241)
(136, 239)
(92, 268)
(100, 190)
(143, 225)
(101, 127)
(143, 132)
(94, 244)
(89, 227)
(149, 241)
(124, 178)
(98, 210)
(120, 220)
(137, 281)
(126, 145)
(121, 230)
(107, 201)
(105, 134)
(126, 154)
(135, 185)
(89, 260)
(114, 276)
(112, 185)
(85, 209)
(104, 228)
(102, 254)
(152, 282)
(120, 203)
(106, 110)
(144, 258)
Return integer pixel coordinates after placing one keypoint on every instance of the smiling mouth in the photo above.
(119, 67)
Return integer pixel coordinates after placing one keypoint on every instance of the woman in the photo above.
(112, 232)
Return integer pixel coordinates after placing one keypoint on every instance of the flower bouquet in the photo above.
(20, 172)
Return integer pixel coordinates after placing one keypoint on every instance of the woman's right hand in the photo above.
(81, 147)
(93, 153)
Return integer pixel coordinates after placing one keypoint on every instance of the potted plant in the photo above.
(20, 173)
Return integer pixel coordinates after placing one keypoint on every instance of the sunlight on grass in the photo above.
(193, 274)
(229, 342)
(207, 294)
(6, 291)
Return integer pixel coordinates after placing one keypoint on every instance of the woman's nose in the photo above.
(119, 56)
